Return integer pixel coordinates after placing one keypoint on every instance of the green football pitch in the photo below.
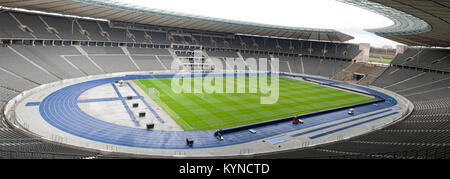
(221, 110)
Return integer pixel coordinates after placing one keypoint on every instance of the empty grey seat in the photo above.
(148, 63)
(148, 51)
(6, 95)
(10, 28)
(36, 25)
(311, 65)
(84, 64)
(14, 63)
(230, 54)
(95, 33)
(114, 63)
(103, 50)
(51, 58)
(167, 61)
(117, 35)
(67, 28)
(14, 82)
(159, 37)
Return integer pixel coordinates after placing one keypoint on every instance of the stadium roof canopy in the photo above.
(122, 12)
(416, 22)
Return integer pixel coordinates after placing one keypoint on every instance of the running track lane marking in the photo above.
(33, 104)
(350, 126)
(104, 100)
(340, 123)
(148, 106)
(136, 123)
(52, 106)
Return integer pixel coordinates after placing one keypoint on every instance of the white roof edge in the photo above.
(404, 23)
(139, 9)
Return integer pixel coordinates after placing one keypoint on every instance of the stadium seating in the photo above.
(438, 59)
(23, 67)
(148, 63)
(6, 94)
(424, 134)
(220, 53)
(66, 28)
(36, 25)
(394, 76)
(10, 28)
(93, 30)
(85, 65)
(312, 65)
(149, 51)
(16, 144)
(14, 82)
(20, 66)
(50, 58)
(290, 64)
(159, 37)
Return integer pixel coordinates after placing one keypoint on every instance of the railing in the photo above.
(10, 154)
(428, 153)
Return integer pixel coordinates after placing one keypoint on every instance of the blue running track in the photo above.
(61, 110)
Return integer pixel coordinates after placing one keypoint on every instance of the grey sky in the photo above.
(298, 13)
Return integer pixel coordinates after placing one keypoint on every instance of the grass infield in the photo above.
(384, 60)
(221, 110)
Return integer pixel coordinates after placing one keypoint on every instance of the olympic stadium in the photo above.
(91, 79)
